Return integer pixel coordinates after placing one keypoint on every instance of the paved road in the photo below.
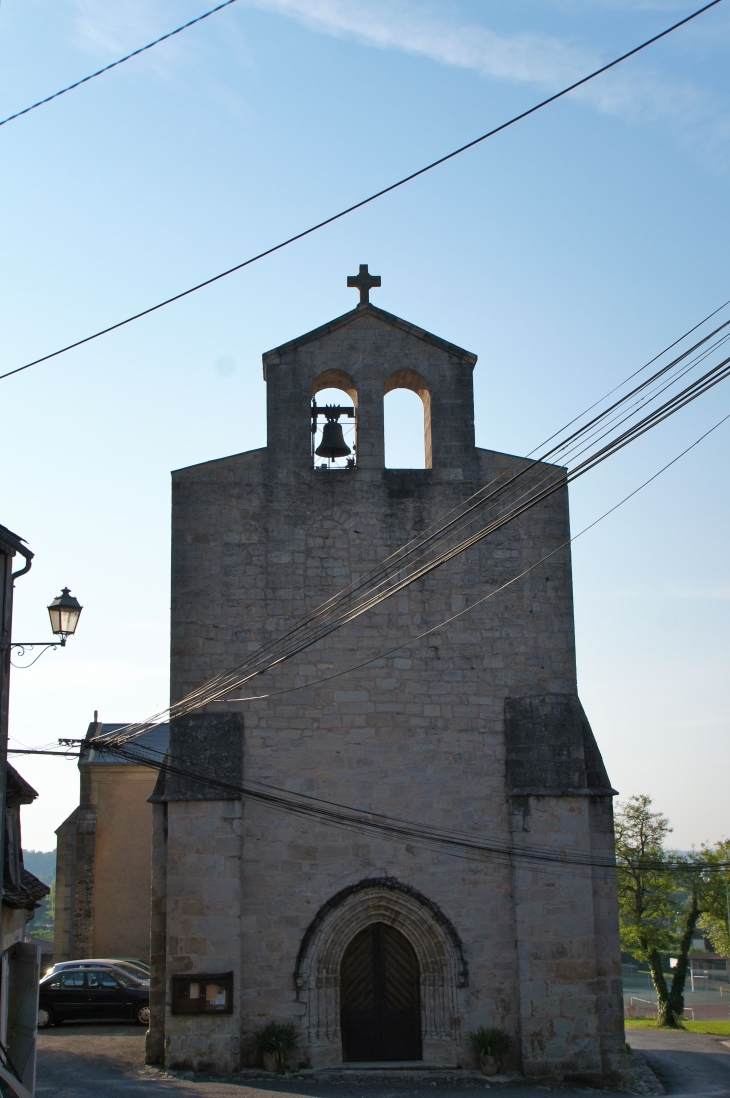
(686, 1063)
(87, 1061)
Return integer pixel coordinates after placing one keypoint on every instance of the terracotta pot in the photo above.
(489, 1064)
(270, 1061)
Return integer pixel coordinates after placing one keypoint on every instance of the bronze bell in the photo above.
(333, 444)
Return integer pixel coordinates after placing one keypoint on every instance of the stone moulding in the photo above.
(437, 946)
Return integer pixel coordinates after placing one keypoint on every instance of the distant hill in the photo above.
(42, 863)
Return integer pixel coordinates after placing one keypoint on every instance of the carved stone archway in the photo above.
(435, 941)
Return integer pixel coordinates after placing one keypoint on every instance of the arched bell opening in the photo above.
(407, 421)
(334, 421)
(380, 997)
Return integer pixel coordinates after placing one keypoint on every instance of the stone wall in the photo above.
(73, 934)
(261, 537)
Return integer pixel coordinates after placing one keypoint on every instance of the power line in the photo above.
(496, 591)
(113, 65)
(37, 751)
(364, 201)
(483, 514)
(454, 843)
(113, 737)
(631, 376)
(444, 840)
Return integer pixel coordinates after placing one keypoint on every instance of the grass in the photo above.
(718, 1029)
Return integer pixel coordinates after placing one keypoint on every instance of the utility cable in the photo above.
(330, 813)
(309, 631)
(365, 201)
(38, 751)
(555, 479)
(486, 598)
(454, 843)
(120, 61)
(636, 373)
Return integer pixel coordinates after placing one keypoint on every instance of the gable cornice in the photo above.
(275, 356)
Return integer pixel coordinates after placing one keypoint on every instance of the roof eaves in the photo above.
(12, 543)
(274, 355)
(27, 894)
(19, 791)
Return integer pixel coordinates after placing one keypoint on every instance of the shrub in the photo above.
(277, 1038)
(490, 1041)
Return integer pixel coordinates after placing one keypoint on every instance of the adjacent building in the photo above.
(104, 858)
(21, 891)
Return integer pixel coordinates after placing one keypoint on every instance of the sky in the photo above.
(565, 252)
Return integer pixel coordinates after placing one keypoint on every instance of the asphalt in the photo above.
(684, 1062)
(87, 1061)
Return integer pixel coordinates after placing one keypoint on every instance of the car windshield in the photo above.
(104, 978)
(132, 970)
(125, 975)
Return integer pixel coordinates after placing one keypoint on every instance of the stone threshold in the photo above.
(389, 1065)
(412, 1069)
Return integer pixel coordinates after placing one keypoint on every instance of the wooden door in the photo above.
(380, 997)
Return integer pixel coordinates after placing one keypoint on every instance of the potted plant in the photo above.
(274, 1042)
(490, 1043)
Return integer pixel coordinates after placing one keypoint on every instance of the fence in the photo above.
(645, 1008)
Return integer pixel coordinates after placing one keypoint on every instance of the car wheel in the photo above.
(45, 1017)
(142, 1015)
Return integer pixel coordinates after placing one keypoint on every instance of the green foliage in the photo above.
(490, 1041)
(716, 894)
(644, 890)
(659, 908)
(277, 1038)
(41, 863)
(42, 924)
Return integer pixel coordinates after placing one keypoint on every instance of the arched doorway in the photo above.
(380, 997)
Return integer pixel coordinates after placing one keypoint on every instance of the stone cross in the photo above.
(363, 282)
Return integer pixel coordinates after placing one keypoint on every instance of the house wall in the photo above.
(103, 871)
(123, 860)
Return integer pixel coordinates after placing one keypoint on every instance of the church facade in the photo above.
(379, 949)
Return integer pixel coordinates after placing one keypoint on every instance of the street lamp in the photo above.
(64, 613)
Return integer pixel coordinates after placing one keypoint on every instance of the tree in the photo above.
(651, 885)
(715, 921)
(44, 919)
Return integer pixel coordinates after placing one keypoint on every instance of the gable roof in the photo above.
(380, 314)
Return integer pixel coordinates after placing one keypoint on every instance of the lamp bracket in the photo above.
(22, 645)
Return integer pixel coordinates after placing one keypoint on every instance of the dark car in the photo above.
(133, 972)
(81, 994)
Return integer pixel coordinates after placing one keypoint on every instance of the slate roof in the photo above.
(27, 894)
(151, 745)
(18, 790)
